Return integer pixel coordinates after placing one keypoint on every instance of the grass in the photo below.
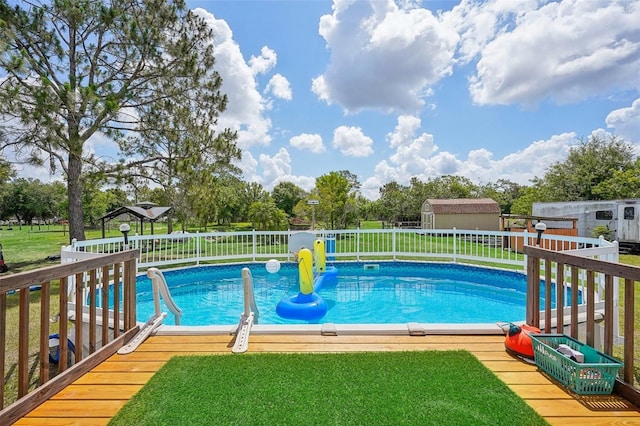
(25, 248)
(409, 388)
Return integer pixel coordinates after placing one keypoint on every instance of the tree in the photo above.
(28, 199)
(218, 198)
(337, 199)
(503, 191)
(367, 209)
(588, 164)
(126, 68)
(392, 201)
(265, 216)
(286, 195)
(450, 186)
(523, 205)
(98, 202)
(622, 184)
(6, 171)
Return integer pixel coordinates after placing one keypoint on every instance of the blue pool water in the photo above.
(386, 293)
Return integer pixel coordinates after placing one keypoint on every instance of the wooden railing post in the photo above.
(3, 338)
(116, 300)
(629, 319)
(560, 296)
(609, 307)
(105, 304)
(23, 343)
(129, 278)
(533, 291)
(574, 301)
(63, 328)
(45, 294)
(547, 295)
(591, 307)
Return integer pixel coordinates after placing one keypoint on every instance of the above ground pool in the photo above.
(364, 293)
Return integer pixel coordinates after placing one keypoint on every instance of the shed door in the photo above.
(428, 221)
(628, 222)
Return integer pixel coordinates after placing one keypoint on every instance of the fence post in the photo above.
(524, 243)
(255, 244)
(198, 245)
(455, 245)
(393, 242)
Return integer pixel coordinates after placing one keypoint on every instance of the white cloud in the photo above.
(350, 141)
(478, 23)
(307, 142)
(249, 166)
(417, 156)
(626, 121)
(521, 166)
(383, 56)
(277, 168)
(567, 51)
(263, 63)
(412, 152)
(246, 108)
(280, 88)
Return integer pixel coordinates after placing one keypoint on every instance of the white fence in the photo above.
(498, 248)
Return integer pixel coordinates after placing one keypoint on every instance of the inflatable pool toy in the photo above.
(320, 260)
(518, 342)
(308, 305)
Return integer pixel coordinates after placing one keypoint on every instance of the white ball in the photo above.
(272, 266)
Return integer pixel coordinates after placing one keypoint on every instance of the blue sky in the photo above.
(394, 89)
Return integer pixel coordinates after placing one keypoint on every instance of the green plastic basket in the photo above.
(595, 376)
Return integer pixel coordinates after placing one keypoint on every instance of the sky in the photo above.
(391, 90)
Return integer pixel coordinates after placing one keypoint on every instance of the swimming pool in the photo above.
(366, 293)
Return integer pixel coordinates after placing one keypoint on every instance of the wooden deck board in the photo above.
(89, 392)
(99, 394)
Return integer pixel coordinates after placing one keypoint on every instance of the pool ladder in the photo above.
(160, 289)
(249, 316)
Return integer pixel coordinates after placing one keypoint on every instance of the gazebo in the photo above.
(143, 211)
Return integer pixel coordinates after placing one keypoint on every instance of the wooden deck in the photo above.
(98, 395)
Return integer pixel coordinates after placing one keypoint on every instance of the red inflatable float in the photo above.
(518, 342)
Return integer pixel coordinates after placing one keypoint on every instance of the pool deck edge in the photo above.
(328, 329)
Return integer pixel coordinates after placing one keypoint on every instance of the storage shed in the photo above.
(461, 213)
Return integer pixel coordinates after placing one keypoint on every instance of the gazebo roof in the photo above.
(143, 211)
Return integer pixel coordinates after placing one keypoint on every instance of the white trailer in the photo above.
(620, 217)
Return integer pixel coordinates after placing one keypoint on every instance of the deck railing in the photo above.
(567, 270)
(96, 333)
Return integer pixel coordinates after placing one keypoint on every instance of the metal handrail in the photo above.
(161, 290)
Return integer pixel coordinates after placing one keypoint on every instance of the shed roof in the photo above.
(464, 205)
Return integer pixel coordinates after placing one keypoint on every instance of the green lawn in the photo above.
(381, 388)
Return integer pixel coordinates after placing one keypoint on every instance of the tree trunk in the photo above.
(74, 190)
